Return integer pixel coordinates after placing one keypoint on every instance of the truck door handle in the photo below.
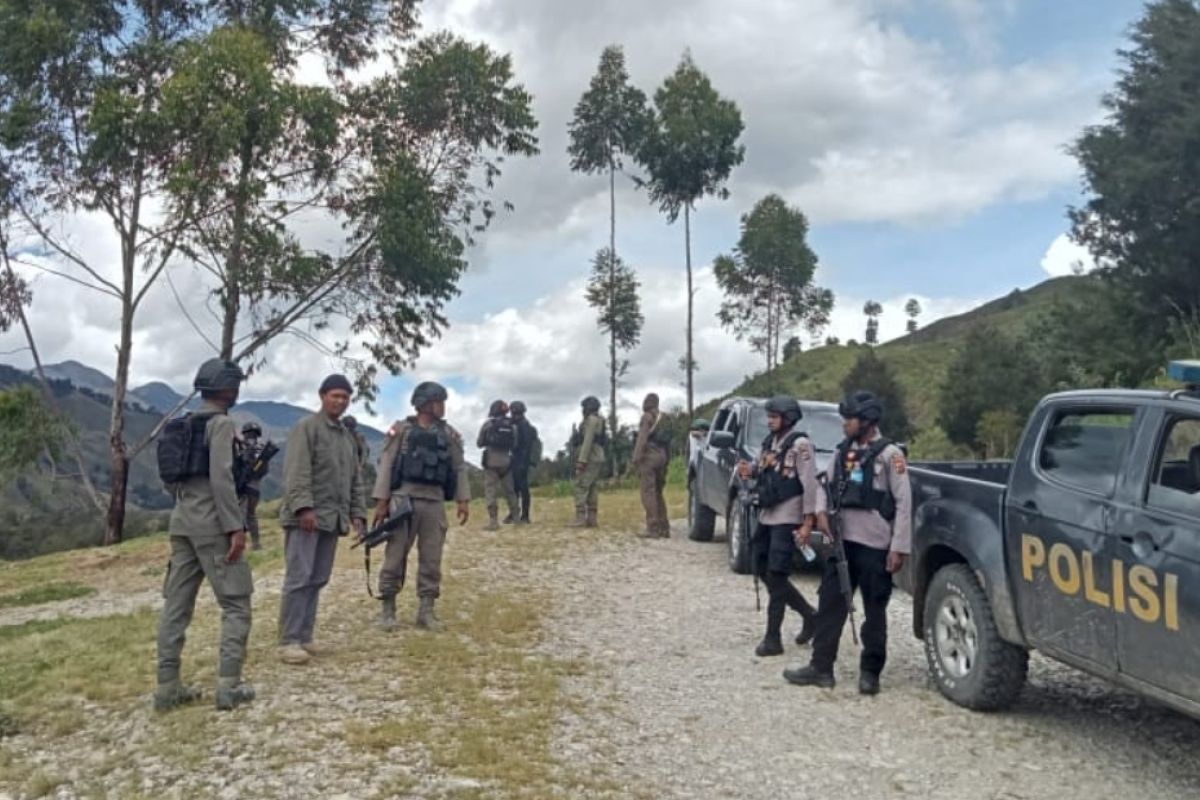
(1029, 505)
(1142, 541)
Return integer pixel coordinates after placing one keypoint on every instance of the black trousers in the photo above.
(774, 547)
(868, 575)
(520, 476)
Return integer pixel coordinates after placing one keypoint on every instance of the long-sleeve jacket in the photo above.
(645, 438)
(321, 472)
(395, 444)
(868, 527)
(208, 505)
(590, 451)
(797, 461)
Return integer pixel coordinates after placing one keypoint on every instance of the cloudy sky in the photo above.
(925, 140)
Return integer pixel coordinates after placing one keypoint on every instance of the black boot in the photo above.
(809, 676)
(807, 629)
(868, 683)
(769, 646)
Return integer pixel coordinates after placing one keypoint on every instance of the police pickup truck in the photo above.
(1086, 547)
(737, 432)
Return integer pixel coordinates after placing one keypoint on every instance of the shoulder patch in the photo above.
(803, 450)
(899, 465)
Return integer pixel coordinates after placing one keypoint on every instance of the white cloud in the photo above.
(1066, 257)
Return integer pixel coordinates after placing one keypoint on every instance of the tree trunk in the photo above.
(114, 525)
(690, 363)
(612, 310)
(235, 264)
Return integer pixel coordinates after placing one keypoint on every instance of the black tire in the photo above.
(702, 520)
(967, 659)
(737, 542)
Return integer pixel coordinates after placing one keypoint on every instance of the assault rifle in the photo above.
(383, 531)
(835, 495)
(747, 508)
(246, 472)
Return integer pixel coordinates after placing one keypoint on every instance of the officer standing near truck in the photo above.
(422, 460)
(873, 499)
(788, 495)
(651, 457)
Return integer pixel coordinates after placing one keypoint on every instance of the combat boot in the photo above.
(580, 519)
(868, 683)
(590, 521)
(493, 524)
(808, 675)
(387, 613)
(426, 618)
(807, 630)
(508, 520)
(769, 646)
(231, 693)
(172, 694)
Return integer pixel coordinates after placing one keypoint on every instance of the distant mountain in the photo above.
(82, 376)
(158, 396)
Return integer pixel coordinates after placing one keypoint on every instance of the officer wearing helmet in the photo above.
(251, 448)
(588, 443)
(651, 456)
(525, 456)
(498, 438)
(422, 460)
(874, 501)
(788, 496)
(207, 540)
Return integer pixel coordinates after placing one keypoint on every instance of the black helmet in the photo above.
(498, 408)
(786, 407)
(350, 422)
(701, 424)
(252, 429)
(428, 392)
(590, 404)
(217, 374)
(517, 407)
(863, 405)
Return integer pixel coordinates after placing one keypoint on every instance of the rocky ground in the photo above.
(605, 667)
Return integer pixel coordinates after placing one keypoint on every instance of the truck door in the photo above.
(718, 461)
(1059, 541)
(1158, 545)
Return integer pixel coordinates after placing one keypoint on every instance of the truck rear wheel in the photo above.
(737, 539)
(967, 659)
(702, 520)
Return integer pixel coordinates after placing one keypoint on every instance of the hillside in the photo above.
(919, 360)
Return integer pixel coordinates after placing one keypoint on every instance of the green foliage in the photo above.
(913, 310)
(792, 347)
(613, 292)
(871, 373)
(611, 118)
(28, 431)
(932, 444)
(1142, 222)
(872, 309)
(991, 373)
(998, 433)
(45, 594)
(767, 280)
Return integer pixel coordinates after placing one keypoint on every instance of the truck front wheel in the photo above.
(967, 659)
(702, 521)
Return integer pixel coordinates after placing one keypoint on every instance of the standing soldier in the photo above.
(323, 498)
(208, 538)
(650, 458)
(874, 501)
(251, 449)
(788, 495)
(422, 460)
(497, 438)
(589, 441)
(526, 455)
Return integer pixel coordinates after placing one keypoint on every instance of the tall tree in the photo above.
(872, 374)
(792, 347)
(767, 280)
(991, 373)
(689, 153)
(913, 309)
(29, 429)
(1142, 222)
(872, 309)
(613, 292)
(611, 121)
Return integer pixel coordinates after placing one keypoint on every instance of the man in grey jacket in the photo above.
(323, 498)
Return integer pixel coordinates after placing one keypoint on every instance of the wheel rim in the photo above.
(956, 636)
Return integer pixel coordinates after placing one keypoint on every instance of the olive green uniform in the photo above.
(206, 512)
(497, 476)
(320, 473)
(589, 462)
(427, 527)
(650, 457)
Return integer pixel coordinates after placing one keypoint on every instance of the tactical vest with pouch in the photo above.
(858, 485)
(774, 487)
(181, 449)
(601, 437)
(501, 434)
(426, 460)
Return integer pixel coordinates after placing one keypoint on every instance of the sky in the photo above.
(926, 140)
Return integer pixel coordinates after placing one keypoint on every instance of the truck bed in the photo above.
(987, 471)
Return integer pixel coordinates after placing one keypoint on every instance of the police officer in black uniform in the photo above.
(787, 498)
(525, 455)
(873, 501)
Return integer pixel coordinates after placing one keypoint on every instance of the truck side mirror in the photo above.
(723, 440)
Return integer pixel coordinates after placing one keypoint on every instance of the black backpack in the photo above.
(182, 453)
(502, 433)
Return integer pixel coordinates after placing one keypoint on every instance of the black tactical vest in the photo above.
(601, 437)
(862, 494)
(426, 460)
(773, 486)
(181, 449)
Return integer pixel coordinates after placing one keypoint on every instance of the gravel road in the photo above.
(696, 714)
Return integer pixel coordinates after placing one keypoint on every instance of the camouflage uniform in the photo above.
(650, 457)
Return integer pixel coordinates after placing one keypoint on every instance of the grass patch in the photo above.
(45, 594)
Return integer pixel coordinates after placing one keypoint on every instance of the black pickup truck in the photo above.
(1086, 547)
(737, 432)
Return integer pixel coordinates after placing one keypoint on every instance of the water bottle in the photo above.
(808, 553)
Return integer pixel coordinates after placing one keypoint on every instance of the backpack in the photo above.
(182, 453)
(502, 433)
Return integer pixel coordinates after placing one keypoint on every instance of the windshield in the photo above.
(824, 427)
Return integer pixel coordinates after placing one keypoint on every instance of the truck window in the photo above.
(1083, 448)
(1175, 485)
